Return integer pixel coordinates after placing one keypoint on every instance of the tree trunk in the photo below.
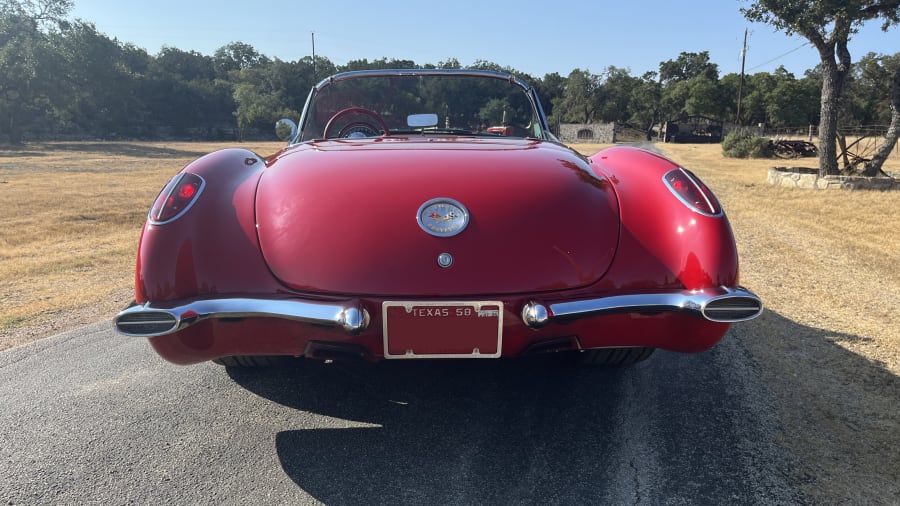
(836, 63)
(830, 108)
(873, 168)
(14, 133)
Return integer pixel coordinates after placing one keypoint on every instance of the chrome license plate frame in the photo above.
(442, 329)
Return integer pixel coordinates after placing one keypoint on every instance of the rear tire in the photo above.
(247, 361)
(615, 357)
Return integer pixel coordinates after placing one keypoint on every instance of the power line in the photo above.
(801, 46)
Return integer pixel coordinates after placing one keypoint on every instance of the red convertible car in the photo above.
(401, 223)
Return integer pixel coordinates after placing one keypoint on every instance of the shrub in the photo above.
(746, 145)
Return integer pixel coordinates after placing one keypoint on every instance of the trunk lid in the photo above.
(340, 217)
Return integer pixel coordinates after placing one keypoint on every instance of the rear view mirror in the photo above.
(285, 129)
(421, 120)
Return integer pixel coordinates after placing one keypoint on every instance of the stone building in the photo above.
(590, 133)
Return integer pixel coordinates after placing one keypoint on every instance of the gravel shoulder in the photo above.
(51, 323)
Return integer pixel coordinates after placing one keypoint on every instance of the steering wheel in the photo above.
(356, 125)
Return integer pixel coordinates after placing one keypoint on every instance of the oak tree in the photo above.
(828, 25)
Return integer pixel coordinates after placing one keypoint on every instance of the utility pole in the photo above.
(315, 81)
(737, 119)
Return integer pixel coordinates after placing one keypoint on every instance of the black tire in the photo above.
(246, 361)
(615, 357)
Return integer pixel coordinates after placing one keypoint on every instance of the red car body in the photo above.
(432, 243)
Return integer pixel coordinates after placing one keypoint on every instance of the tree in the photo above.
(37, 14)
(645, 103)
(690, 86)
(614, 95)
(705, 98)
(495, 112)
(254, 106)
(185, 94)
(779, 99)
(237, 56)
(267, 93)
(550, 89)
(828, 25)
(698, 95)
(758, 88)
(890, 138)
(688, 66)
(88, 58)
(27, 63)
(792, 103)
(869, 89)
(579, 101)
(381, 63)
(184, 65)
(449, 63)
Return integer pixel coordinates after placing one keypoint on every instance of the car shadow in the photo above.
(448, 432)
(681, 426)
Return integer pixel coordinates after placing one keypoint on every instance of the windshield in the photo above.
(371, 104)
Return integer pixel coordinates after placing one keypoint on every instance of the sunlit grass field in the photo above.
(70, 220)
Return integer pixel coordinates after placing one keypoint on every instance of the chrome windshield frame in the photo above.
(527, 89)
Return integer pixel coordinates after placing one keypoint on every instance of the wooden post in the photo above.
(842, 143)
(737, 117)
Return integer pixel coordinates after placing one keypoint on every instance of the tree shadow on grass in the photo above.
(137, 150)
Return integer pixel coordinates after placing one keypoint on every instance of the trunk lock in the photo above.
(445, 260)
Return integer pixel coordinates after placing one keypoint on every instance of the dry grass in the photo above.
(825, 264)
(71, 218)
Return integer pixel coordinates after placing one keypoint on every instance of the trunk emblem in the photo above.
(443, 217)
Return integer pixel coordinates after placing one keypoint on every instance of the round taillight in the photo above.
(176, 198)
(187, 191)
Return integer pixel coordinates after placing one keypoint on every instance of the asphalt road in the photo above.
(91, 417)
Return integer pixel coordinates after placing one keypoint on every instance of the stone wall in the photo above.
(590, 133)
(804, 177)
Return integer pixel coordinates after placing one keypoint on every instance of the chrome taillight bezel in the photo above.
(168, 192)
(713, 208)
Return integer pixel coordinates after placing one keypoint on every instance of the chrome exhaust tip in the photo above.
(732, 308)
(145, 323)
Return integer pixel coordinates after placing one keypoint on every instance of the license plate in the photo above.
(442, 329)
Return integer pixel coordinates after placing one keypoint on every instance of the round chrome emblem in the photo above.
(443, 217)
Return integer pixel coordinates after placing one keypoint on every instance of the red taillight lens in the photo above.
(692, 192)
(176, 198)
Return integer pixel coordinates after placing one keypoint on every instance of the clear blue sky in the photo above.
(533, 37)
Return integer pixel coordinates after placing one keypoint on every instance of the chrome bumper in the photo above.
(724, 304)
(150, 321)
